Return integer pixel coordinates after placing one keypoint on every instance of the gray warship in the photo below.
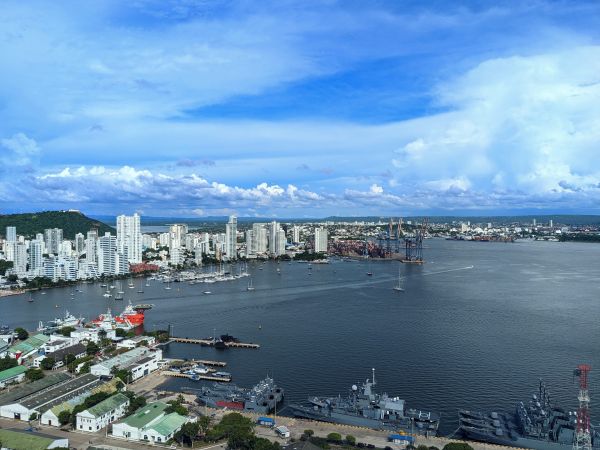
(262, 398)
(538, 425)
(364, 408)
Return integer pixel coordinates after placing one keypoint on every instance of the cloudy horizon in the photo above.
(190, 108)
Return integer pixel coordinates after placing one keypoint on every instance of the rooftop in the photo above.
(108, 405)
(68, 405)
(19, 440)
(12, 372)
(28, 389)
(61, 392)
(169, 424)
(146, 414)
(125, 359)
(29, 344)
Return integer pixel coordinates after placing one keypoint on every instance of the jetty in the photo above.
(213, 342)
(195, 377)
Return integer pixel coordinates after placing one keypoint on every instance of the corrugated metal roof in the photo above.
(146, 414)
(20, 440)
(169, 424)
(31, 388)
(12, 372)
(108, 405)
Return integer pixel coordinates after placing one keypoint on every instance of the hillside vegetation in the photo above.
(72, 222)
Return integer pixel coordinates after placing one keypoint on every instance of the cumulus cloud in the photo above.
(18, 150)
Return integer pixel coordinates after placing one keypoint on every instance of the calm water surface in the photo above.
(476, 338)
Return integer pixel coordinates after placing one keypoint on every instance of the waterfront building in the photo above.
(231, 238)
(102, 414)
(20, 258)
(53, 238)
(11, 234)
(280, 242)
(129, 237)
(9, 250)
(321, 240)
(177, 255)
(65, 248)
(107, 254)
(36, 257)
(91, 247)
(140, 362)
(259, 239)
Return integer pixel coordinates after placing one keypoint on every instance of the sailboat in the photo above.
(107, 293)
(30, 299)
(131, 285)
(398, 286)
(141, 289)
(168, 286)
(250, 286)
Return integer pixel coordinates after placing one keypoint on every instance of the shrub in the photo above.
(334, 437)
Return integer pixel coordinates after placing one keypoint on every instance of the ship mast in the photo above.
(583, 436)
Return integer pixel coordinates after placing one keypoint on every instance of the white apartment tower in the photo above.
(129, 237)
(259, 238)
(91, 247)
(295, 234)
(80, 244)
(321, 240)
(36, 252)
(231, 238)
(53, 238)
(11, 234)
(107, 254)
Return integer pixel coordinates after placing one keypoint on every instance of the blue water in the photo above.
(458, 337)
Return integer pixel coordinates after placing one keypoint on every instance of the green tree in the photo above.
(22, 333)
(68, 359)
(123, 374)
(135, 402)
(34, 374)
(351, 440)
(422, 447)
(92, 348)
(33, 416)
(47, 363)
(7, 362)
(457, 446)
(120, 332)
(309, 433)
(204, 423)
(177, 406)
(188, 433)
(334, 437)
(12, 278)
(64, 417)
(66, 331)
(85, 368)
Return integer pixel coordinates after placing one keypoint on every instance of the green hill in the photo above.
(72, 222)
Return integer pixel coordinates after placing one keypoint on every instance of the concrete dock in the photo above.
(211, 342)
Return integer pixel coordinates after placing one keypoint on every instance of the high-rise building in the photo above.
(9, 250)
(80, 244)
(273, 228)
(53, 238)
(259, 238)
(129, 237)
(551, 223)
(177, 234)
(107, 254)
(20, 259)
(321, 240)
(11, 234)
(249, 239)
(295, 234)
(231, 238)
(91, 247)
(280, 242)
(36, 253)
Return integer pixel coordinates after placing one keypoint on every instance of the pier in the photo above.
(195, 377)
(212, 342)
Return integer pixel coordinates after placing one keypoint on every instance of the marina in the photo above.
(445, 343)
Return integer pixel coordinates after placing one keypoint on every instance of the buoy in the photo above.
(260, 327)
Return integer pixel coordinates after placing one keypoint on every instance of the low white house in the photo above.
(150, 423)
(12, 375)
(140, 361)
(102, 414)
(91, 334)
(133, 342)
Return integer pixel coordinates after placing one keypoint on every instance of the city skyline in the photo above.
(300, 109)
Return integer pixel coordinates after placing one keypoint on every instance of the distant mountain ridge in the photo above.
(71, 222)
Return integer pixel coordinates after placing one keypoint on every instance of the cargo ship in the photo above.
(262, 398)
(364, 408)
(538, 424)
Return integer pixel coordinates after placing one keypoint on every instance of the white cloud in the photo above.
(18, 150)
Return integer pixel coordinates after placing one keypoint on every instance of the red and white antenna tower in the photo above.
(583, 435)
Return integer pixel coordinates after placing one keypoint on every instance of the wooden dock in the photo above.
(211, 342)
(171, 373)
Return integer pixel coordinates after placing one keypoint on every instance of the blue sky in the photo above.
(300, 108)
